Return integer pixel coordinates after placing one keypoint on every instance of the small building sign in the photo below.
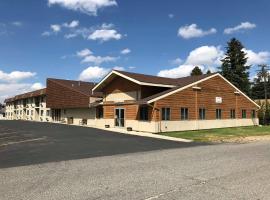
(218, 99)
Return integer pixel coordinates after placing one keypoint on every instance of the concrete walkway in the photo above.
(145, 134)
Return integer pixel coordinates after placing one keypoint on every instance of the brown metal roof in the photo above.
(80, 86)
(27, 95)
(164, 81)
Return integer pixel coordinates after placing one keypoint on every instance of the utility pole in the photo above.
(263, 72)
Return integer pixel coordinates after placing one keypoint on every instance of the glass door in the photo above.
(119, 117)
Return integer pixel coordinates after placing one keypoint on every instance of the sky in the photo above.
(85, 39)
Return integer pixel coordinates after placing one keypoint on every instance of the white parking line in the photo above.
(23, 141)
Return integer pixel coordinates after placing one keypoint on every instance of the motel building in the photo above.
(125, 100)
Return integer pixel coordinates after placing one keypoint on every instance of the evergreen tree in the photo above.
(234, 66)
(196, 71)
(208, 71)
(257, 89)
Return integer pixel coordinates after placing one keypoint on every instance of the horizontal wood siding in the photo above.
(210, 89)
(59, 96)
(120, 84)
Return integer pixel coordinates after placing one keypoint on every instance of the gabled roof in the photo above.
(80, 86)
(148, 80)
(189, 82)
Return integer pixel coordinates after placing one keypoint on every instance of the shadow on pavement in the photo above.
(26, 143)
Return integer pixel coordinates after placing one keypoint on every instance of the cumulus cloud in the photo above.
(72, 24)
(37, 86)
(89, 7)
(105, 35)
(15, 76)
(13, 83)
(241, 27)
(56, 28)
(84, 52)
(176, 61)
(193, 31)
(205, 57)
(98, 59)
(125, 51)
(93, 73)
(254, 58)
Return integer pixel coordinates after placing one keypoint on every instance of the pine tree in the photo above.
(208, 71)
(196, 71)
(234, 66)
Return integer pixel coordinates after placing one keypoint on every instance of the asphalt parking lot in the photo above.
(50, 161)
(26, 143)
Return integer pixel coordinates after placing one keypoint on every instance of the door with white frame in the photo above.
(119, 117)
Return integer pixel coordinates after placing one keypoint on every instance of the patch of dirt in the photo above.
(247, 139)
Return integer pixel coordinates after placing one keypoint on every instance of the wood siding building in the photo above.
(143, 103)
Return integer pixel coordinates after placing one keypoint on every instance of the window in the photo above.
(166, 113)
(232, 113)
(184, 113)
(48, 113)
(253, 113)
(99, 112)
(202, 113)
(144, 113)
(218, 113)
(244, 114)
(27, 112)
(41, 112)
(32, 112)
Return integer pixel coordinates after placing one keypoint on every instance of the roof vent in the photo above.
(79, 83)
(72, 85)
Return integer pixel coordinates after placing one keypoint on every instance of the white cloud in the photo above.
(171, 15)
(17, 23)
(93, 73)
(15, 76)
(72, 24)
(181, 71)
(105, 35)
(89, 7)
(36, 86)
(84, 52)
(193, 31)
(176, 61)
(119, 68)
(98, 59)
(125, 51)
(46, 33)
(240, 27)
(10, 83)
(205, 57)
(56, 28)
(131, 67)
(254, 58)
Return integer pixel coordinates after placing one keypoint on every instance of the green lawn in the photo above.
(221, 134)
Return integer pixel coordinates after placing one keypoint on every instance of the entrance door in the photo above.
(119, 117)
(56, 115)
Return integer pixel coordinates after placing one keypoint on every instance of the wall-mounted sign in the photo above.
(218, 99)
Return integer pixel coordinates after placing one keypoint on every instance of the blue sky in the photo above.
(84, 39)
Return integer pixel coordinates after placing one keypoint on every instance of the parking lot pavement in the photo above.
(26, 143)
(211, 172)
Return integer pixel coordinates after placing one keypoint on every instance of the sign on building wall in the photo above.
(218, 99)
